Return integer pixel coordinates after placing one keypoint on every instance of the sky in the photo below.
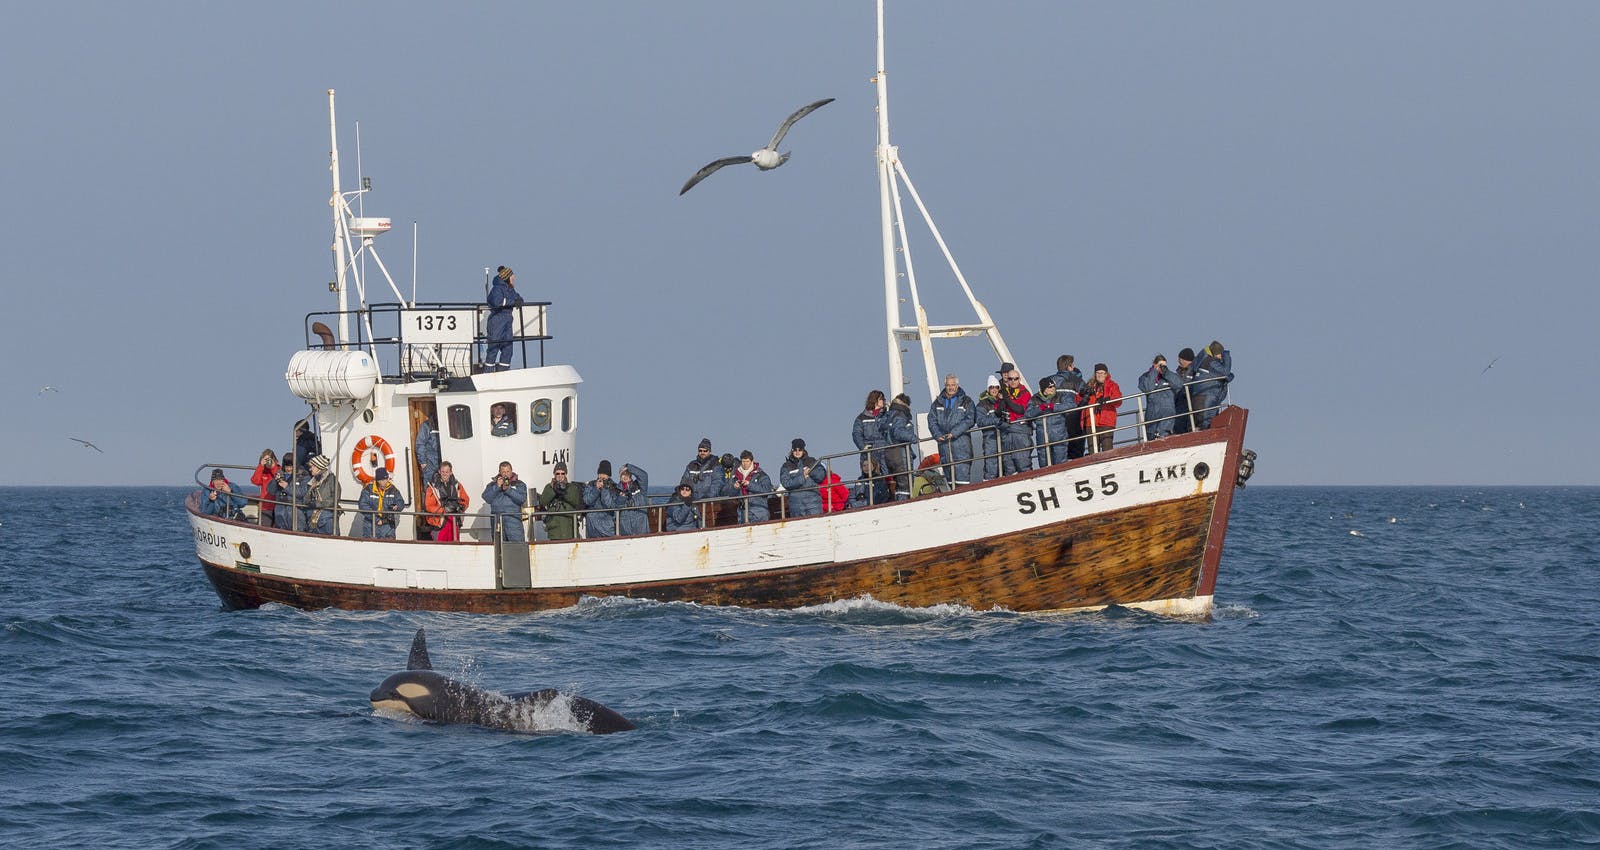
(1368, 203)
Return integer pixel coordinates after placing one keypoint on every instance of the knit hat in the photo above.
(605, 468)
(1004, 368)
(561, 466)
(1047, 383)
(217, 473)
(321, 463)
(727, 461)
(1101, 367)
(994, 381)
(705, 443)
(504, 273)
(797, 444)
(381, 475)
(685, 484)
(1186, 354)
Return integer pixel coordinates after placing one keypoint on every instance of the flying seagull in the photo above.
(765, 159)
(87, 444)
(1488, 367)
(47, 389)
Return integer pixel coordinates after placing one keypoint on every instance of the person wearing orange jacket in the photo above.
(444, 501)
(1100, 418)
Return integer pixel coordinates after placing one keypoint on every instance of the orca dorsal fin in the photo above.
(419, 653)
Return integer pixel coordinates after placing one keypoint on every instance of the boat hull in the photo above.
(1160, 554)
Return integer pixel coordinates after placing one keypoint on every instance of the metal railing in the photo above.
(382, 330)
(718, 511)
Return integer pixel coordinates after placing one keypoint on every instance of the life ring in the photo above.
(364, 460)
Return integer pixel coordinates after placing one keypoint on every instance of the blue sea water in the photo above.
(1386, 667)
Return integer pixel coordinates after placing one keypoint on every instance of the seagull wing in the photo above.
(707, 171)
(1488, 367)
(789, 122)
(87, 444)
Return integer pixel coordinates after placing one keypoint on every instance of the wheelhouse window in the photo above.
(566, 413)
(539, 417)
(459, 419)
(502, 419)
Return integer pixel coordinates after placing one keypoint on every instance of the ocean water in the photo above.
(1386, 667)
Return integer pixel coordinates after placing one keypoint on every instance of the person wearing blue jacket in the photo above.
(1049, 431)
(1069, 380)
(704, 473)
(800, 475)
(871, 488)
(633, 487)
(681, 513)
(503, 301)
(223, 499)
(506, 496)
(867, 432)
(380, 505)
(900, 429)
(603, 498)
(427, 446)
(1208, 379)
(1160, 400)
(950, 418)
(987, 423)
(288, 489)
(752, 482)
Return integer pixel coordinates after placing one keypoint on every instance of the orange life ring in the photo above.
(364, 460)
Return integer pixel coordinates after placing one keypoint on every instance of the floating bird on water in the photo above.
(1488, 367)
(87, 444)
(765, 159)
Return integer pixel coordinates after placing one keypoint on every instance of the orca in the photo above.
(424, 693)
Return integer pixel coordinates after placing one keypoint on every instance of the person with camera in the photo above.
(986, 421)
(1208, 378)
(445, 501)
(867, 432)
(900, 430)
(1069, 379)
(222, 498)
(632, 488)
(681, 513)
(603, 498)
(1160, 399)
(288, 488)
(503, 302)
(506, 496)
(266, 470)
(380, 506)
(1049, 434)
(559, 503)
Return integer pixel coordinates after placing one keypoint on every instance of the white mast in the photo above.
(338, 224)
(891, 173)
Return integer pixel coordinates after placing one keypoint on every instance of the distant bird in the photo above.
(765, 159)
(87, 444)
(1488, 367)
(47, 389)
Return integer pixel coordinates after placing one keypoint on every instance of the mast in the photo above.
(891, 174)
(336, 202)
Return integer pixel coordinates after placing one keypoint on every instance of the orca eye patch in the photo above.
(412, 690)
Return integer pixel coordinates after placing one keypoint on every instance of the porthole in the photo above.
(1201, 470)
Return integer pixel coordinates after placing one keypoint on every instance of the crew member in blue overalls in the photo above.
(503, 299)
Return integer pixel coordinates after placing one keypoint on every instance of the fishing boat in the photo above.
(1140, 522)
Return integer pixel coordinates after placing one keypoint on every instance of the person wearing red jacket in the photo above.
(835, 495)
(1016, 431)
(1100, 418)
(266, 470)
